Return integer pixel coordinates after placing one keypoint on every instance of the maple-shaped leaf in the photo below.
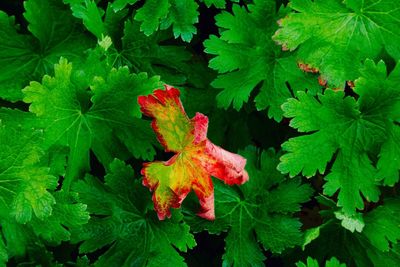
(27, 57)
(259, 211)
(195, 160)
(355, 131)
(105, 118)
(123, 225)
(335, 36)
(249, 59)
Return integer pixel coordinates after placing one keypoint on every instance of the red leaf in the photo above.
(195, 160)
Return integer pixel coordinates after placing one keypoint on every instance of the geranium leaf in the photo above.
(195, 160)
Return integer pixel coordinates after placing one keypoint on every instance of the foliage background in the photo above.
(307, 90)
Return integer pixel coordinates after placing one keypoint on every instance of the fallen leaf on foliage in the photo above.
(196, 158)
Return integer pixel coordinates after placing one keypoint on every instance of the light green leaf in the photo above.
(335, 36)
(81, 119)
(354, 130)
(25, 183)
(91, 14)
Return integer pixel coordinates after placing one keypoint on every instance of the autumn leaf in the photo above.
(195, 160)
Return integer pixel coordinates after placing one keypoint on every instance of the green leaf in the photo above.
(310, 153)
(105, 25)
(152, 55)
(368, 248)
(241, 246)
(310, 235)
(310, 263)
(261, 210)
(91, 15)
(25, 57)
(182, 15)
(383, 225)
(25, 183)
(217, 3)
(335, 36)
(66, 181)
(355, 130)
(118, 5)
(23, 246)
(67, 214)
(82, 119)
(389, 160)
(16, 237)
(29, 208)
(380, 103)
(247, 59)
(119, 215)
(151, 14)
(333, 262)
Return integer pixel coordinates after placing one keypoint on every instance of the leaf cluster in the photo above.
(308, 91)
